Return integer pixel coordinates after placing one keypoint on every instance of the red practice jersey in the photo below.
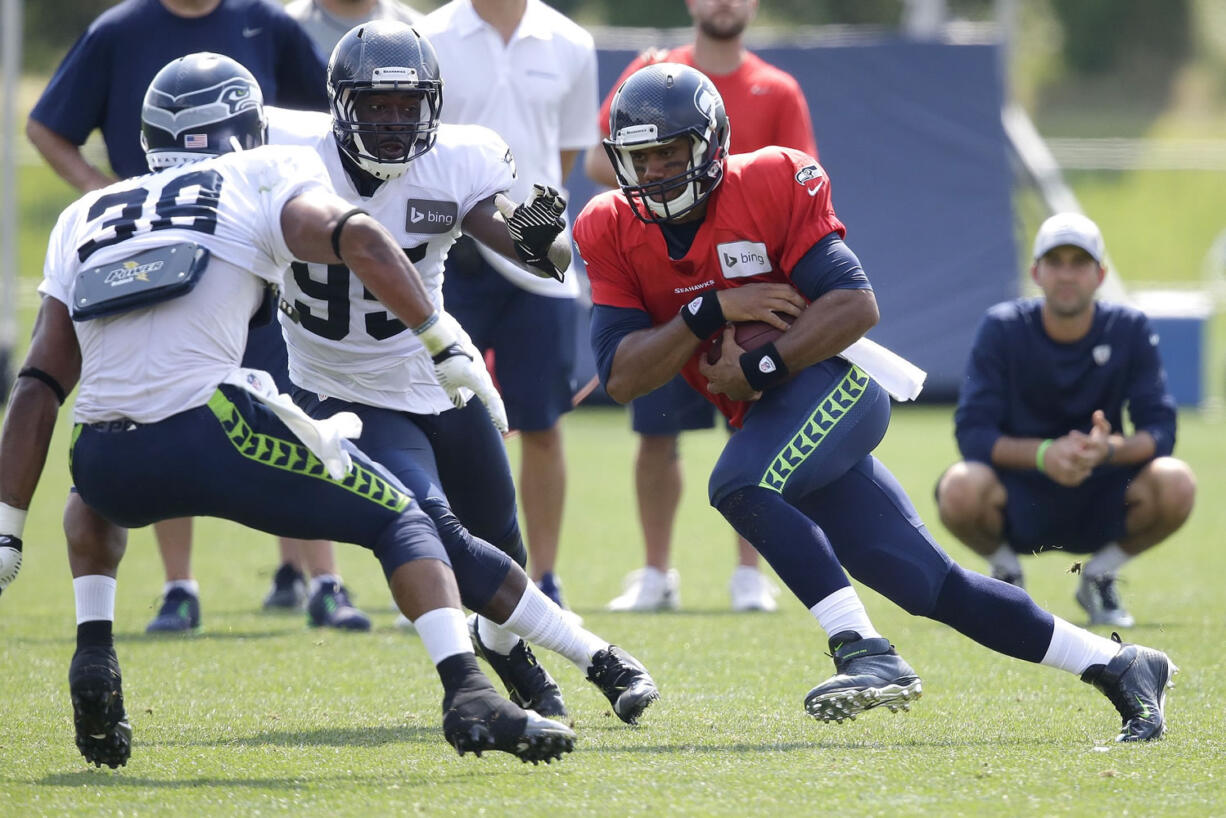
(765, 105)
(771, 208)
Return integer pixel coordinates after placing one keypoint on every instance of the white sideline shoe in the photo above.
(649, 589)
(752, 591)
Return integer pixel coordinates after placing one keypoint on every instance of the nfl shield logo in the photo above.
(1101, 353)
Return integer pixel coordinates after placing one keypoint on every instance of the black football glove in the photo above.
(533, 226)
(10, 559)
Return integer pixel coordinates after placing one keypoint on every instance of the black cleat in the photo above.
(869, 673)
(329, 607)
(103, 733)
(529, 685)
(624, 682)
(289, 591)
(479, 720)
(180, 613)
(1136, 681)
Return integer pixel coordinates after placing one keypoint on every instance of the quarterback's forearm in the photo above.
(647, 359)
(828, 326)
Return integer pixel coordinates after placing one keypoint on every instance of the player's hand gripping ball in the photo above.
(749, 336)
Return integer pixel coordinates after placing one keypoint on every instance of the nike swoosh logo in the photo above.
(812, 191)
(251, 32)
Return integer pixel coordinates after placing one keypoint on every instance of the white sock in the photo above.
(444, 632)
(496, 637)
(189, 585)
(317, 582)
(95, 596)
(1075, 649)
(1106, 561)
(843, 611)
(1004, 561)
(538, 621)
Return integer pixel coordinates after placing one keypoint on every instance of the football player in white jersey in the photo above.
(387, 152)
(149, 286)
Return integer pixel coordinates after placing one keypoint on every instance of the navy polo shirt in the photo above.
(102, 80)
(1021, 383)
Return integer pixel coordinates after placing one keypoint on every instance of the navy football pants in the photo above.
(233, 458)
(798, 481)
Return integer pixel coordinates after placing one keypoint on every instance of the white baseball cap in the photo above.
(1069, 228)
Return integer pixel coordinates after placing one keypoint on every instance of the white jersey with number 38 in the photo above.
(152, 362)
(345, 344)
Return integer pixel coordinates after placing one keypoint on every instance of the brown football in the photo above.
(748, 334)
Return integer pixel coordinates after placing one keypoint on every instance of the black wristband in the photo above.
(763, 367)
(340, 225)
(38, 375)
(703, 315)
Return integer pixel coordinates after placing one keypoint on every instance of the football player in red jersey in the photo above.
(695, 239)
(768, 108)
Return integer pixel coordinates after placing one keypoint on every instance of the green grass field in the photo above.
(261, 715)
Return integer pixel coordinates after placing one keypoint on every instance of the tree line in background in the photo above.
(1099, 36)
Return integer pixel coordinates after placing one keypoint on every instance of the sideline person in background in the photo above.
(799, 479)
(527, 72)
(765, 107)
(102, 80)
(326, 21)
(1040, 425)
(100, 84)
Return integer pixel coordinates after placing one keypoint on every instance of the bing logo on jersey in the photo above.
(741, 259)
(430, 216)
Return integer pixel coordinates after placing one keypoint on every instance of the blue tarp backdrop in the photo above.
(911, 136)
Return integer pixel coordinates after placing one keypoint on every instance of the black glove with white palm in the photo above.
(459, 366)
(535, 226)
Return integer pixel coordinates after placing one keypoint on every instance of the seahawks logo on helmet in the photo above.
(195, 109)
(705, 103)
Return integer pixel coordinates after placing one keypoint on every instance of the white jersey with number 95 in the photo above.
(345, 344)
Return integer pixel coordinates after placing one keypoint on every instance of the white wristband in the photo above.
(12, 520)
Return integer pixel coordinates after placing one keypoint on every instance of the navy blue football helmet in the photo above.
(657, 104)
(381, 57)
(198, 106)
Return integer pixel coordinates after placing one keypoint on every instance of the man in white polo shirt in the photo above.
(529, 73)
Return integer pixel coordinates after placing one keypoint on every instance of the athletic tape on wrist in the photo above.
(340, 225)
(12, 520)
(703, 315)
(763, 367)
